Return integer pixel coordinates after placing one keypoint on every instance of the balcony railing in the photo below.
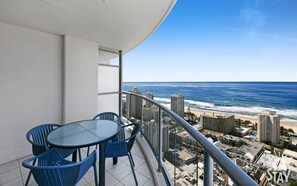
(185, 151)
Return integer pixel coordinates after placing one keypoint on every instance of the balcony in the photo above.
(153, 167)
(54, 70)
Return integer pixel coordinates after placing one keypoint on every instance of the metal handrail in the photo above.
(233, 171)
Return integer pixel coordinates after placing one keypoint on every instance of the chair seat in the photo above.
(53, 169)
(116, 149)
(123, 146)
(37, 137)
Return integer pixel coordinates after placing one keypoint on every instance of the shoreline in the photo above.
(253, 119)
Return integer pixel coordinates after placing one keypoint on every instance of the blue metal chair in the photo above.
(53, 169)
(37, 137)
(112, 117)
(107, 116)
(121, 148)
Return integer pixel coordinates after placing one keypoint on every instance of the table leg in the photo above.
(101, 171)
(114, 160)
(74, 156)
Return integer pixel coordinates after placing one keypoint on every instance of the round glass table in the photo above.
(84, 134)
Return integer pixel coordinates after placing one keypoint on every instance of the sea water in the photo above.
(248, 98)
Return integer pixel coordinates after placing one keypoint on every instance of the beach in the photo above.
(243, 99)
(253, 119)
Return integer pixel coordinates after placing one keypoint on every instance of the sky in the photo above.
(219, 40)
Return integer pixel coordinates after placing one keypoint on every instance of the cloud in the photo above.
(253, 17)
(264, 35)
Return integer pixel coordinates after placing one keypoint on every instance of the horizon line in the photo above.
(209, 81)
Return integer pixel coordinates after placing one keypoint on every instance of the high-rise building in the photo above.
(218, 123)
(135, 104)
(150, 113)
(155, 113)
(178, 104)
(147, 114)
(268, 127)
(151, 96)
(151, 131)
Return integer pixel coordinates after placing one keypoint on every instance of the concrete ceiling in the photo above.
(114, 24)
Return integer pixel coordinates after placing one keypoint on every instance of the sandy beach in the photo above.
(253, 119)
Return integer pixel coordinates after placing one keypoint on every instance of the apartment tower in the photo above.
(136, 104)
(218, 123)
(151, 96)
(178, 104)
(269, 127)
(151, 131)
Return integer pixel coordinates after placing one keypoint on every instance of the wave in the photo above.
(166, 100)
(286, 114)
(200, 103)
(191, 102)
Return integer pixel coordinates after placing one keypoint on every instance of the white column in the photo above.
(80, 79)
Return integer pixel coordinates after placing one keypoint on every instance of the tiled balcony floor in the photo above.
(14, 174)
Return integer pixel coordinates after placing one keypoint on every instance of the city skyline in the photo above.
(219, 41)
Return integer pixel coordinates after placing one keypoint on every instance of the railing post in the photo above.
(141, 111)
(141, 133)
(208, 169)
(120, 83)
(160, 140)
(128, 105)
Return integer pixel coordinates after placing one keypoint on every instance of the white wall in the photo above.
(80, 79)
(45, 78)
(30, 86)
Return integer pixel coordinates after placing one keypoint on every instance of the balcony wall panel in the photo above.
(108, 103)
(80, 79)
(108, 79)
(108, 86)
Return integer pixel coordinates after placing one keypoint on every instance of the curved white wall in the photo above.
(44, 78)
(31, 86)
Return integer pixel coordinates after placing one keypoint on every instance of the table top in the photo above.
(83, 133)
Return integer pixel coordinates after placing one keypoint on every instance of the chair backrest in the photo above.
(135, 131)
(107, 116)
(37, 137)
(52, 169)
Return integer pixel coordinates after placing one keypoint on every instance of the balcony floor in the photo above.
(14, 174)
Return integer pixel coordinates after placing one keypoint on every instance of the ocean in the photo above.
(246, 98)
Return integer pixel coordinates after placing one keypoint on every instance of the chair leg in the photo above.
(132, 167)
(29, 175)
(28, 178)
(95, 174)
(88, 151)
(79, 154)
(132, 159)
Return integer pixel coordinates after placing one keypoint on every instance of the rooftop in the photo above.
(289, 153)
(269, 161)
(288, 163)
